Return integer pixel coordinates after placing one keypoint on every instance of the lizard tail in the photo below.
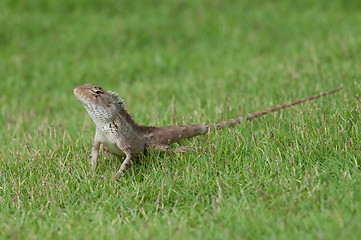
(271, 109)
(171, 134)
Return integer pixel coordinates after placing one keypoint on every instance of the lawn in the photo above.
(293, 174)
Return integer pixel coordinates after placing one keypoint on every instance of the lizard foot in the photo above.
(117, 176)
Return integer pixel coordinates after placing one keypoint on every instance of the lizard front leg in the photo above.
(126, 163)
(94, 155)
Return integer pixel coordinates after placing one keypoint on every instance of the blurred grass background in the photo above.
(213, 60)
(150, 52)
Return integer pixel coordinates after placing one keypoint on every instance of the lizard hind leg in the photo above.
(166, 148)
(183, 149)
(159, 147)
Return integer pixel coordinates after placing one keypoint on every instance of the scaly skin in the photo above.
(117, 131)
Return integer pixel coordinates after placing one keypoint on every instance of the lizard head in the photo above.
(101, 105)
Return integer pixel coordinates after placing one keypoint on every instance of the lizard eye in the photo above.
(97, 92)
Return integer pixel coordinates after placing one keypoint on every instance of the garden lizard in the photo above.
(118, 132)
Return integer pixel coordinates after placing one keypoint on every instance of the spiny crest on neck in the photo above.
(120, 104)
(116, 100)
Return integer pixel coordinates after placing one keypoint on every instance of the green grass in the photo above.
(294, 174)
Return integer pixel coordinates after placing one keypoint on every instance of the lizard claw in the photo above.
(117, 176)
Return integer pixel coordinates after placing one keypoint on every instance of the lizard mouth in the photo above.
(78, 94)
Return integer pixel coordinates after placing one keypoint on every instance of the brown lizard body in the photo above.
(117, 131)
